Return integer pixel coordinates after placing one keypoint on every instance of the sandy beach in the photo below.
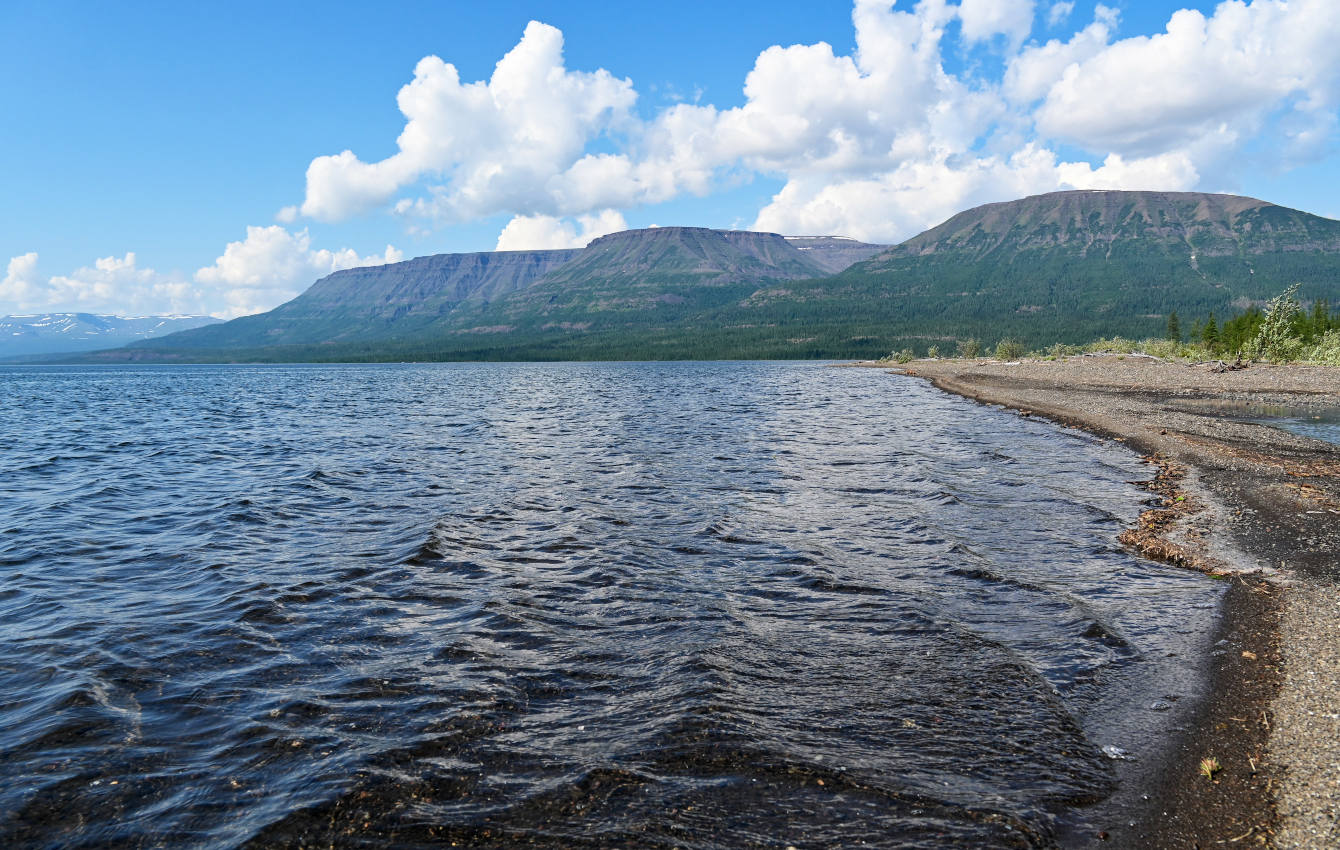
(1257, 506)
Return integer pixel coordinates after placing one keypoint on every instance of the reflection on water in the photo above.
(1318, 421)
(690, 605)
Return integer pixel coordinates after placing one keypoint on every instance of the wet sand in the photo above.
(1257, 506)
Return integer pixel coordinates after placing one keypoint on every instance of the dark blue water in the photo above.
(570, 605)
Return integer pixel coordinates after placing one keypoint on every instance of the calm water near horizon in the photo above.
(568, 605)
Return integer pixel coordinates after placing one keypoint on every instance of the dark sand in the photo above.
(1257, 506)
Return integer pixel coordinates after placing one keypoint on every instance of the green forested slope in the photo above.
(1067, 266)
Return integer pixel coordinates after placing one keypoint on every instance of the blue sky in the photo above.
(156, 155)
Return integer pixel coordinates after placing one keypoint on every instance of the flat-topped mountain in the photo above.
(1066, 266)
(622, 279)
(624, 274)
(1077, 265)
(1084, 222)
(396, 300)
(428, 284)
(49, 333)
(685, 255)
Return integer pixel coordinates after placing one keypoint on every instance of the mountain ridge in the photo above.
(32, 334)
(1064, 266)
(657, 269)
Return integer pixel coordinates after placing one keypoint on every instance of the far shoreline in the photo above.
(1240, 500)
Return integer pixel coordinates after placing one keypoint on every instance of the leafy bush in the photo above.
(969, 348)
(904, 356)
(933, 352)
(1010, 349)
(1276, 340)
(1326, 351)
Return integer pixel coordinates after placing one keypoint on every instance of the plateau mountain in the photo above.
(384, 303)
(1075, 265)
(1065, 266)
(520, 303)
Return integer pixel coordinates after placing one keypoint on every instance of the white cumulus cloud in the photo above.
(111, 285)
(983, 19)
(1059, 12)
(269, 267)
(1033, 72)
(273, 265)
(1204, 81)
(877, 143)
(541, 232)
(21, 284)
(490, 143)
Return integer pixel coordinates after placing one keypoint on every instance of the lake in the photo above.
(569, 605)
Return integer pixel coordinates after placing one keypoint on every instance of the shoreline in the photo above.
(1256, 505)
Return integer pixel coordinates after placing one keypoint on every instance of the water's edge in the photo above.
(692, 604)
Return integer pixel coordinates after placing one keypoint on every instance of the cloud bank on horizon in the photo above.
(878, 144)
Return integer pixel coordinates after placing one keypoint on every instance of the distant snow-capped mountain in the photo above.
(56, 333)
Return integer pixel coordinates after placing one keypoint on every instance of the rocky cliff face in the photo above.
(834, 253)
(429, 284)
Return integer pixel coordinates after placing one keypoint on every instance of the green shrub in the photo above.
(1326, 351)
(933, 352)
(904, 356)
(969, 348)
(1276, 340)
(1010, 349)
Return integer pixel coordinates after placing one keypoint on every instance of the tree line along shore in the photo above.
(1284, 331)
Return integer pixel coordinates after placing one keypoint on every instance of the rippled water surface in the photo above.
(633, 605)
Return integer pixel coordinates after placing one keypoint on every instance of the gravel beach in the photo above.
(1249, 502)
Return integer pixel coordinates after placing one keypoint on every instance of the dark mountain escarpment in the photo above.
(492, 305)
(1067, 266)
(392, 301)
(650, 275)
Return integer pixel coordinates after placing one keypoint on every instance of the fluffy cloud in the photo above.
(539, 232)
(1160, 112)
(21, 284)
(272, 265)
(877, 143)
(269, 267)
(490, 142)
(1059, 12)
(111, 284)
(1033, 72)
(1205, 79)
(983, 19)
